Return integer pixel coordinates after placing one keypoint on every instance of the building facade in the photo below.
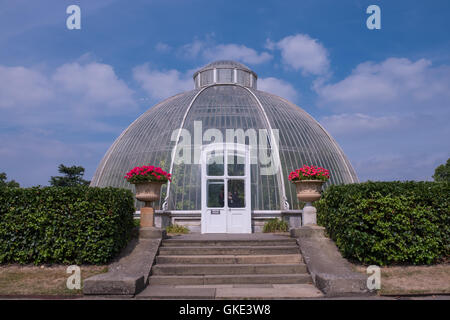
(230, 148)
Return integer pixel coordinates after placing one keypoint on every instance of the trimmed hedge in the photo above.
(70, 225)
(388, 222)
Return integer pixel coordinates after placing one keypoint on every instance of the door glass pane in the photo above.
(214, 164)
(215, 193)
(236, 164)
(236, 194)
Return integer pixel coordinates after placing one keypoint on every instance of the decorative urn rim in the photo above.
(146, 182)
(308, 190)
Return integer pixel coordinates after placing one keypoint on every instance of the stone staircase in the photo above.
(227, 266)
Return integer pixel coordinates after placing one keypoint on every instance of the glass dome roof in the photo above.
(225, 71)
(226, 105)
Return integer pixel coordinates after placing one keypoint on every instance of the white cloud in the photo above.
(278, 87)
(162, 47)
(394, 84)
(44, 113)
(391, 166)
(44, 154)
(93, 84)
(162, 84)
(73, 93)
(391, 117)
(303, 53)
(340, 124)
(193, 50)
(209, 51)
(23, 88)
(236, 52)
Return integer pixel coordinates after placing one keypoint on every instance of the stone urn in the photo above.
(309, 191)
(148, 192)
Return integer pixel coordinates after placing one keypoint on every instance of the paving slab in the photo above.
(172, 292)
(300, 291)
(205, 286)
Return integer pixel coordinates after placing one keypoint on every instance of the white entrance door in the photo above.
(226, 204)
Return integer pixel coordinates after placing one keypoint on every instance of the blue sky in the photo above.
(65, 95)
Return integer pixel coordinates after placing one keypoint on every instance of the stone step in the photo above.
(227, 269)
(223, 243)
(229, 259)
(231, 279)
(229, 250)
(234, 292)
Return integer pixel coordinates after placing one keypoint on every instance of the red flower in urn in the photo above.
(147, 174)
(309, 173)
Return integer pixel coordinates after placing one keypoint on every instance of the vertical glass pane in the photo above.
(236, 194)
(236, 164)
(215, 193)
(225, 75)
(214, 164)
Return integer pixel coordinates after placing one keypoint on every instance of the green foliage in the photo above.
(275, 225)
(8, 184)
(388, 222)
(175, 228)
(76, 225)
(442, 173)
(73, 176)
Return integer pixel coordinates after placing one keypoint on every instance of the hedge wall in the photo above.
(388, 222)
(73, 225)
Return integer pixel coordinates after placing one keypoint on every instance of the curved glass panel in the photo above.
(304, 142)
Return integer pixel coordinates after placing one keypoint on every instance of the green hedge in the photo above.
(76, 225)
(388, 222)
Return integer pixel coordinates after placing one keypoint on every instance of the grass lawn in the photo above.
(41, 280)
(413, 280)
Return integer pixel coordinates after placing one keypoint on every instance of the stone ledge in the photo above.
(331, 273)
(342, 285)
(128, 275)
(113, 284)
(152, 233)
(311, 231)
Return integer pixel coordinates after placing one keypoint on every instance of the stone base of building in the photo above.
(192, 219)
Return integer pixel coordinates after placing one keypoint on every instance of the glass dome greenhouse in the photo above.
(229, 147)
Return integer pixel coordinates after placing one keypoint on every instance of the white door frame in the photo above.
(226, 219)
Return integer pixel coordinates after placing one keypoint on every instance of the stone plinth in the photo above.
(147, 217)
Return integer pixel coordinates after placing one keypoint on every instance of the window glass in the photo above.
(225, 75)
(215, 193)
(214, 164)
(236, 193)
(236, 164)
